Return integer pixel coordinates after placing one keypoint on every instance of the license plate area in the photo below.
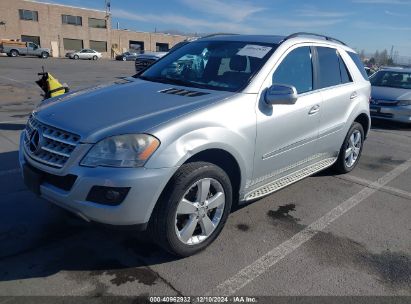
(32, 179)
(375, 109)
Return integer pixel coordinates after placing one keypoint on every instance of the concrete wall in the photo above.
(51, 29)
(122, 39)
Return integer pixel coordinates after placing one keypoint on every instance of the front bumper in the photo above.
(145, 185)
(393, 113)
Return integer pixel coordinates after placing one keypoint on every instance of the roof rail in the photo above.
(217, 34)
(300, 34)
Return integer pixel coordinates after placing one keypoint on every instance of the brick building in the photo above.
(65, 28)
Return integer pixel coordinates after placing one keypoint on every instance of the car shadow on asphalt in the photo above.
(40, 239)
(378, 124)
(61, 242)
(12, 126)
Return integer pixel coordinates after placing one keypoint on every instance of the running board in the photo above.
(289, 179)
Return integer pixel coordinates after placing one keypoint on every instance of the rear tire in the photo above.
(14, 53)
(124, 58)
(351, 149)
(206, 191)
(44, 55)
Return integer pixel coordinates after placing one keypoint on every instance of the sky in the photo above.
(362, 24)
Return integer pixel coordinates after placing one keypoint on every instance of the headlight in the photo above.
(404, 103)
(131, 150)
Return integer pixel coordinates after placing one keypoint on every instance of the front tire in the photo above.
(14, 53)
(75, 57)
(124, 58)
(44, 55)
(95, 57)
(351, 149)
(193, 209)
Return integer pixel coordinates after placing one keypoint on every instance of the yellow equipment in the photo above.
(50, 85)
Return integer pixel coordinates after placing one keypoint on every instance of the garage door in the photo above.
(72, 44)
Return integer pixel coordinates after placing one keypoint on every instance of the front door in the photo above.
(287, 134)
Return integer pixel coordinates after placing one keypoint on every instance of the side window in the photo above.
(329, 67)
(359, 64)
(296, 70)
(345, 74)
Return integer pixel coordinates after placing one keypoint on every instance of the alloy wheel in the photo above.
(353, 148)
(199, 211)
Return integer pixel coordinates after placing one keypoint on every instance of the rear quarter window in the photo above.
(359, 64)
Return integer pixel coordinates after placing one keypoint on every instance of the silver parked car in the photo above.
(85, 54)
(391, 94)
(172, 149)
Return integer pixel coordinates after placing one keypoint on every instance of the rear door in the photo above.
(338, 92)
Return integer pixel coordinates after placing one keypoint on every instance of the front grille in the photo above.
(62, 182)
(142, 64)
(378, 114)
(49, 145)
(383, 103)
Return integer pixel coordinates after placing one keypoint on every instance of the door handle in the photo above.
(353, 95)
(314, 110)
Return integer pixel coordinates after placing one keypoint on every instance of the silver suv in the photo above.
(222, 120)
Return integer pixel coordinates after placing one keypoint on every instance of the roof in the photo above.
(63, 5)
(272, 39)
(396, 69)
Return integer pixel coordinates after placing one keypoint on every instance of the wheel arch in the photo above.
(225, 161)
(364, 120)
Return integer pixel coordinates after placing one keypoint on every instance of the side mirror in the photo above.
(281, 94)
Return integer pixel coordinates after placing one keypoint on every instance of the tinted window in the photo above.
(329, 67)
(392, 79)
(74, 20)
(345, 74)
(97, 23)
(296, 70)
(359, 64)
(28, 15)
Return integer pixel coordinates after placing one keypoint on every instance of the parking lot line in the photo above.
(264, 263)
(368, 183)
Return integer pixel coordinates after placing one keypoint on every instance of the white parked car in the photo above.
(85, 54)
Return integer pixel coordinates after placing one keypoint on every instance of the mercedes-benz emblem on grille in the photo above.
(35, 142)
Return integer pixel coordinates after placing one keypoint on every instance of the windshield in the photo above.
(216, 65)
(392, 79)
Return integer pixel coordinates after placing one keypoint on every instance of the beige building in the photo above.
(65, 28)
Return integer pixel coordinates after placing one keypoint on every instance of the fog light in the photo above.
(112, 196)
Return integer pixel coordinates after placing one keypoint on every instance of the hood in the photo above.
(129, 106)
(151, 55)
(390, 94)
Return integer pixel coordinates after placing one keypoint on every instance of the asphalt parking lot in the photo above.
(346, 235)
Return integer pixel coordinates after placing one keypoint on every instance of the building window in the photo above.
(34, 39)
(73, 20)
(28, 15)
(162, 47)
(72, 44)
(136, 46)
(97, 23)
(99, 46)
